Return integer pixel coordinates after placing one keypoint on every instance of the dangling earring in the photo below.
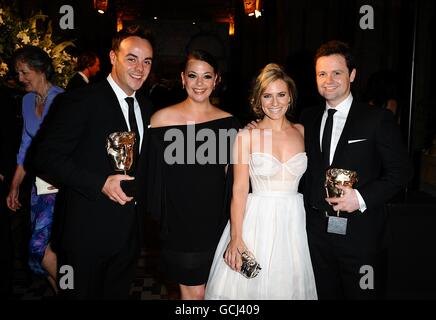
(183, 85)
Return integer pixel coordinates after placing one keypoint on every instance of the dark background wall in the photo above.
(287, 33)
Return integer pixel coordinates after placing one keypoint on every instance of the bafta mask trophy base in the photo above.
(334, 177)
(120, 149)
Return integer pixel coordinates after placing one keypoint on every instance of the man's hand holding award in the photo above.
(120, 149)
(341, 195)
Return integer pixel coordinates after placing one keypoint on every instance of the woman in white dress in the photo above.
(269, 222)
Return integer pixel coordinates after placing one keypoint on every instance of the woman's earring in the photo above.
(183, 85)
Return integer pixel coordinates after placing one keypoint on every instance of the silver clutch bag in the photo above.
(250, 267)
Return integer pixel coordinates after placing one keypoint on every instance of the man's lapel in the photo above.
(314, 143)
(110, 98)
(352, 121)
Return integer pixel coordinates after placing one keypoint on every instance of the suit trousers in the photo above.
(101, 276)
(343, 270)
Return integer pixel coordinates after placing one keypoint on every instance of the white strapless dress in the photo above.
(274, 230)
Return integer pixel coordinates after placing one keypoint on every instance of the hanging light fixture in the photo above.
(119, 21)
(101, 6)
(231, 26)
(249, 7)
(231, 21)
(253, 8)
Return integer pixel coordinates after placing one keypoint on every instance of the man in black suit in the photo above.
(100, 228)
(88, 64)
(346, 134)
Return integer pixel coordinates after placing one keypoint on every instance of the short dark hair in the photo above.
(202, 55)
(270, 73)
(337, 47)
(86, 59)
(131, 31)
(36, 58)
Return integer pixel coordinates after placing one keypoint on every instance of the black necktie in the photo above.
(133, 127)
(327, 137)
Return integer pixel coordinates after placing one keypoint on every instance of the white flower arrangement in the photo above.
(16, 33)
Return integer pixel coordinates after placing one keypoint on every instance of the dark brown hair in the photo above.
(202, 55)
(131, 31)
(85, 60)
(337, 47)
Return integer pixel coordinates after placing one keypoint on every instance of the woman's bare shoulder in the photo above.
(164, 117)
(219, 113)
(244, 136)
(299, 127)
(246, 132)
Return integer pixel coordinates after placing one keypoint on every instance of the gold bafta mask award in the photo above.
(119, 147)
(334, 177)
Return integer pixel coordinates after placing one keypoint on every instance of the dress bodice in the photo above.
(268, 174)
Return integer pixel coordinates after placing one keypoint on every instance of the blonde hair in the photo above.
(270, 73)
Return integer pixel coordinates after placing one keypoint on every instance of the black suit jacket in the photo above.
(75, 82)
(371, 145)
(71, 149)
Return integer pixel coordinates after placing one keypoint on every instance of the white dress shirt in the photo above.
(121, 95)
(339, 119)
(85, 78)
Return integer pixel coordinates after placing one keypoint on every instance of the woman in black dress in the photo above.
(190, 177)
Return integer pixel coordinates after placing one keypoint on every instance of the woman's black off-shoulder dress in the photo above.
(189, 191)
